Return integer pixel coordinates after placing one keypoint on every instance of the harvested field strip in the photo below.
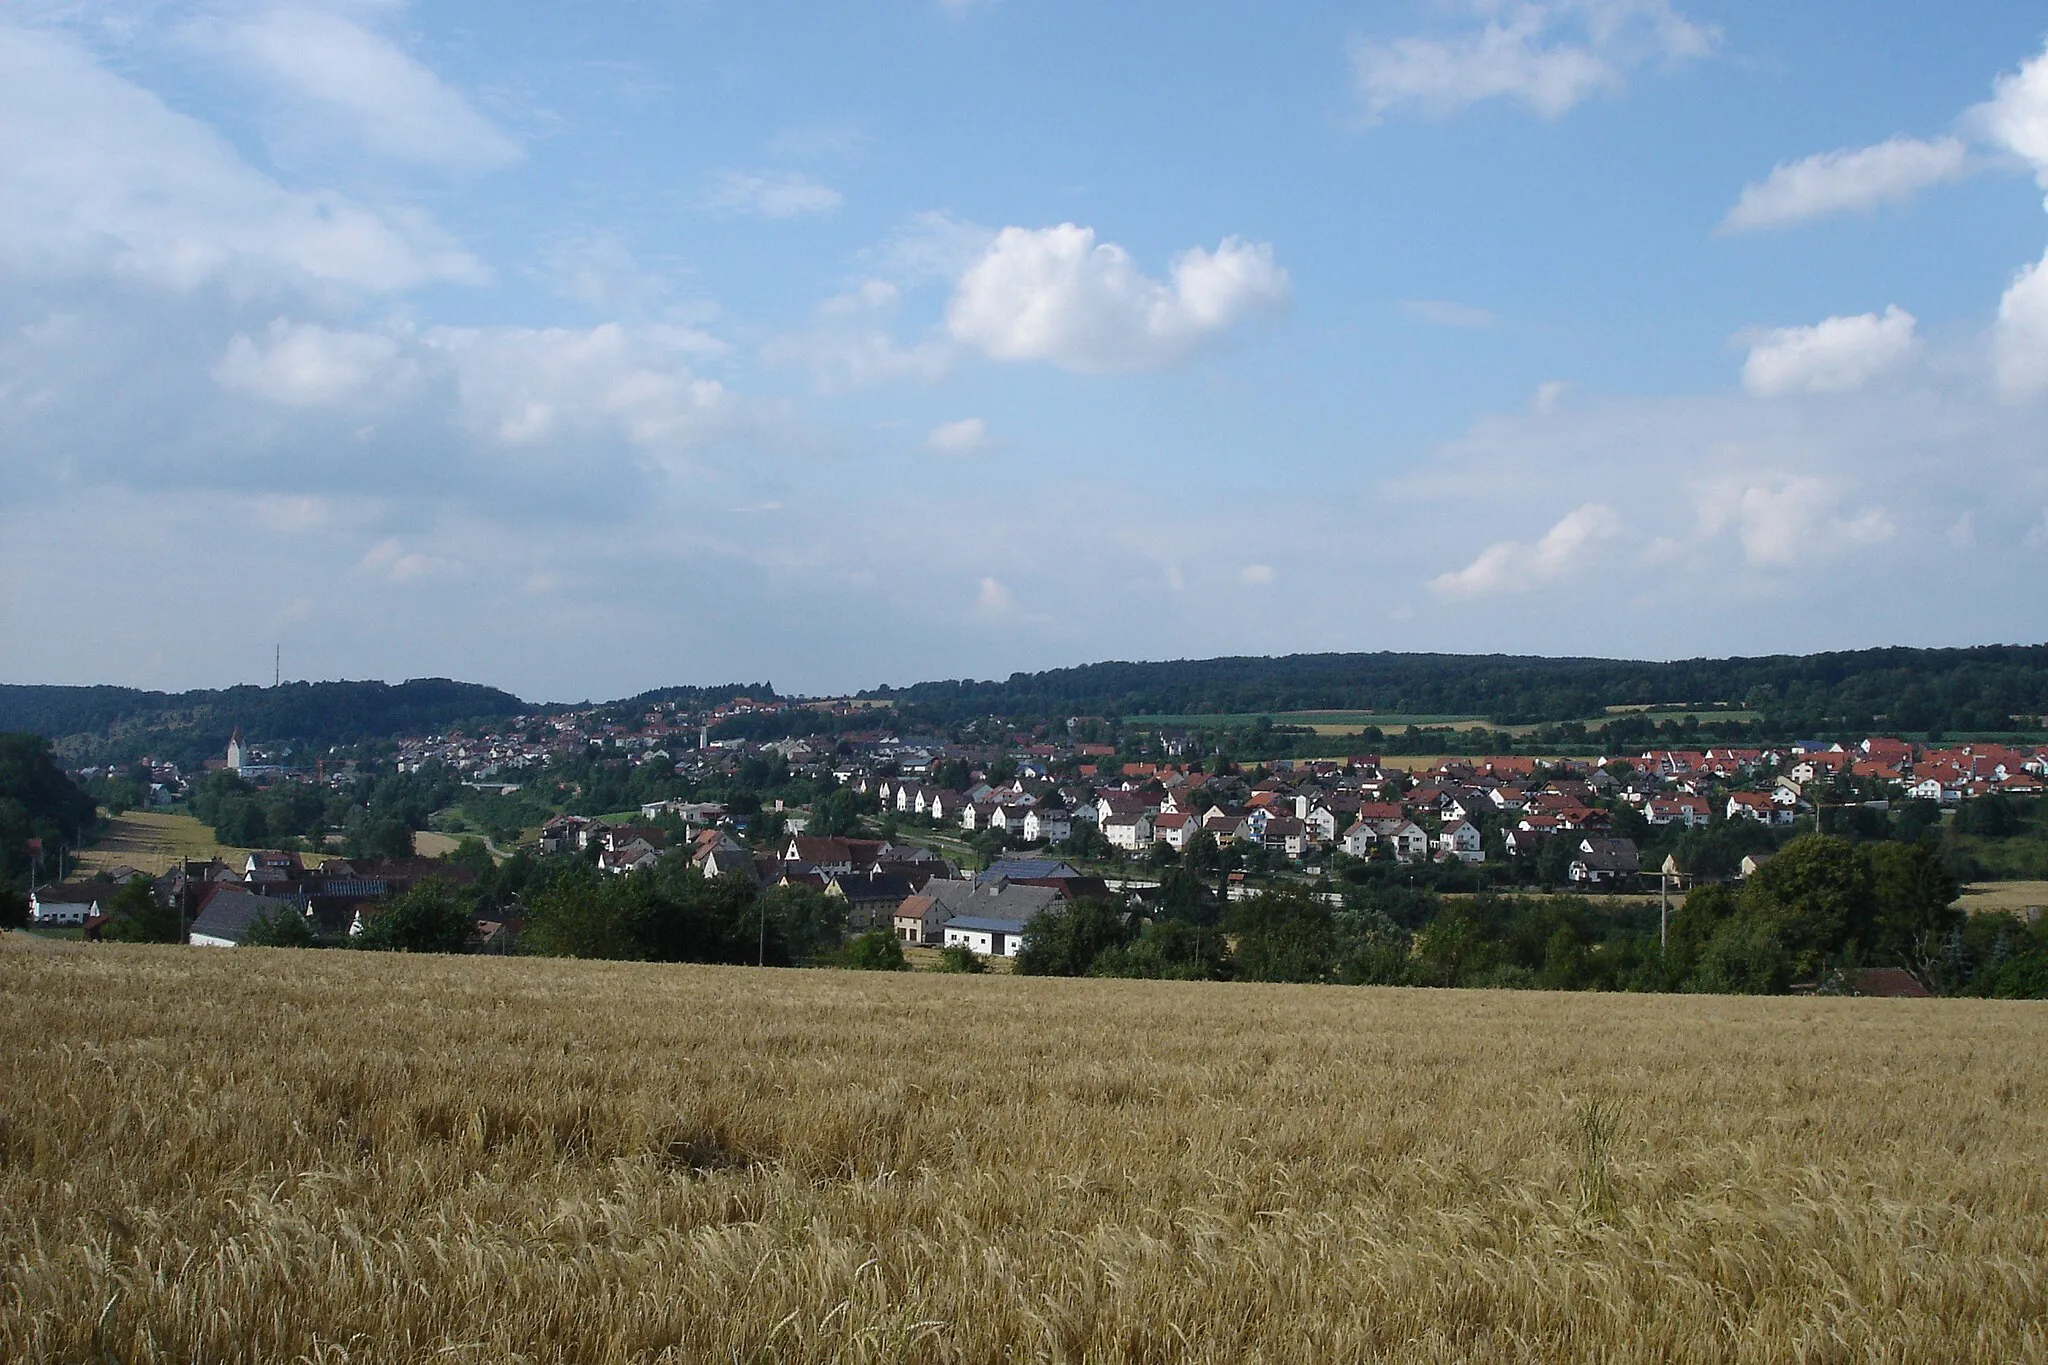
(265, 1156)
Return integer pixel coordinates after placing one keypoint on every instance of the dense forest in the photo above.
(115, 724)
(1918, 690)
(37, 802)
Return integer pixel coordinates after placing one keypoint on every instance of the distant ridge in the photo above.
(1917, 689)
(185, 725)
(1981, 688)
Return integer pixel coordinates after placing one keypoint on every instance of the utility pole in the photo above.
(1663, 909)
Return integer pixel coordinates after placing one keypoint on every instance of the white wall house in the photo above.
(61, 905)
(987, 937)
(1049, 825)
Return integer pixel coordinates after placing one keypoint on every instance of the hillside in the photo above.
(1909, 689)
(117, 723)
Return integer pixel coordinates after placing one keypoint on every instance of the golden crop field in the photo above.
(270, 1156)
(154, 842)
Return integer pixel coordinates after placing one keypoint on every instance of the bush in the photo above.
(875, 951)
(958, 957)
(286, 928)
(426, 919)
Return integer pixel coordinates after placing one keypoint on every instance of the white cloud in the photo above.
(1857, 179)
(992, 600)
(101, 177)
(1789, 520)
(1444, 313)
(963, 437)
(2016, 117)
(1833, 356)
(1512, 566)
(1547, 54)
(521, 386)
(1548, 395)
(849, 346)
(1259, 575)
(391, 104)
(306, 365)
(2019, 341)
(773, 194)
(1056, 295)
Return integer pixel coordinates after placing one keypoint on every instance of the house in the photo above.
(1047, 823)
(1361, 838)
(985, 936)
(1131, 832)
(1176, 829)
(1409, 840)
(1285, 834)
(67, 905)
(1604, 861)
(872, 898)
(1461, 841)
(1690, 811)
(1757, 806)
(925, 919)
(228, 914)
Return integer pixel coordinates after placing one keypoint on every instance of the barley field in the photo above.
(256, 1155)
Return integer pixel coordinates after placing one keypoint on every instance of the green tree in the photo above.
(875, 951)
(13, 908)
(1819, 893)
(430, 918)
(1065, 940)
(1170, 950)
(1914, 899)
(135, 915)
(1286, 934)
(809, 922)
(282, 928)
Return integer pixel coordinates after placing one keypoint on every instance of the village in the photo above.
(963, 840)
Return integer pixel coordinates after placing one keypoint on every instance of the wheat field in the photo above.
(255, 1155)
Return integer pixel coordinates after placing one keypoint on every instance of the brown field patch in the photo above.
(256, 1155)
(2011, 897)
(154, 841)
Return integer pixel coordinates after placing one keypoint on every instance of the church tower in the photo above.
(235, 755)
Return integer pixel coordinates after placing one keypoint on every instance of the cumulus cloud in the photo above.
(101, 177)
(1512, 566)
(1547, 54)
(390, 103)
(992, 600)
(1259, 575)
(849, 344)
(307, 365)
(1833, 356)
(2016, 117)
(963, 437)
(1855, 179)
(2019, 341)
(783, 194)
(1057, 295)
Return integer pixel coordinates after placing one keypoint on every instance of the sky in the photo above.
(587, 349)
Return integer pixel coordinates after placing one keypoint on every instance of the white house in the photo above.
(63, 904)
(1361, 838)
(1461, 841)
(987, 937)
(1409, 840)
(1132, 832)
(1176, 829)
(1051, 825)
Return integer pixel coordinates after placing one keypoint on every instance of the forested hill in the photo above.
(1911, 689)
(115, 723)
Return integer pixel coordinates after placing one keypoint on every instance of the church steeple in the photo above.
(235, 753)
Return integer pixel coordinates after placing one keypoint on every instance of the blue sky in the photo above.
(585, 349)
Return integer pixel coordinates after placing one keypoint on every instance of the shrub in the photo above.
(875, 951)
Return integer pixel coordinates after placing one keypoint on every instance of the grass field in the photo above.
(154, 841)
(2007, 896)
(328, 1156)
